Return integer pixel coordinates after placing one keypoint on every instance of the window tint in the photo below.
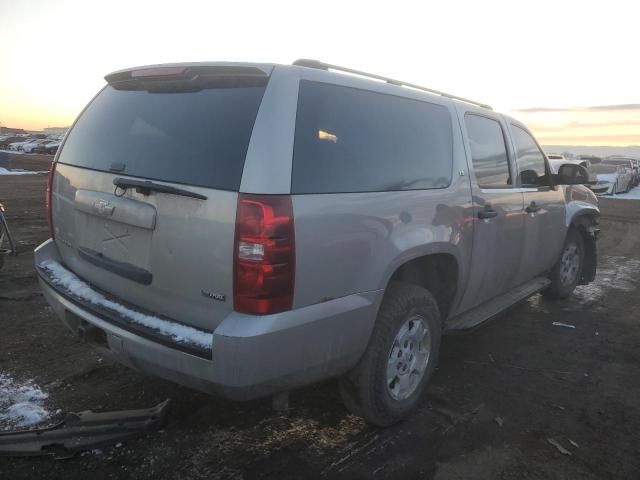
(351, 140)
(530, 159)
(488, 152)
(196, 137)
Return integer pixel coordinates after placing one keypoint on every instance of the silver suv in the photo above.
(246, 229)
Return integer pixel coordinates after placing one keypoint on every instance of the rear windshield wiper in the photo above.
(145, 187)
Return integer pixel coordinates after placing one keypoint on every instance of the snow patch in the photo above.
(4, 171)
(633, 194)
(614, 272)
(21, 404)
(180, 333)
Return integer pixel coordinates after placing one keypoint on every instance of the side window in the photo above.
(488, 152)
(352, 140)
(530, 160)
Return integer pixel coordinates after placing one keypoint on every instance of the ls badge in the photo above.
(215, 296)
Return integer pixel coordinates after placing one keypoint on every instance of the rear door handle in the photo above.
(486, 213)
(532, 208)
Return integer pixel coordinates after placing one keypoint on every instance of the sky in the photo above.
(568, 69)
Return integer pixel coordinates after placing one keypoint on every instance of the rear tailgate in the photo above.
(167, 248)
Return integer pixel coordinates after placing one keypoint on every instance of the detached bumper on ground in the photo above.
(249, 356)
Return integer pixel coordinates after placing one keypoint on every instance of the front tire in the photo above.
(567, 271)
(387, 383)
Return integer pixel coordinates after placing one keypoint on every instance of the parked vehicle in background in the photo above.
(556, 164)
(555, 156)
(611, 178)
(8, 140)
(49, 147)
(193, 240)
(30, 146)
(590, 158)
(628, 163)
(17, 146)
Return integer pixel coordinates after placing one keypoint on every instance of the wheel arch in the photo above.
(437, 270)
(586, 221)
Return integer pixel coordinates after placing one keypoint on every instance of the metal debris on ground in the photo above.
(560, 448)
(565, 325)
(499, 421)
(82, 431)
(574, 443)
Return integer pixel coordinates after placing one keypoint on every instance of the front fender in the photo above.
(580, 201)
(583, 213)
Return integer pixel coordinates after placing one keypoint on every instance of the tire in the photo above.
(567, 271)
(406, 312)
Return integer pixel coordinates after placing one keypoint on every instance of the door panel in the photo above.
(545, 230)
(498, 227)
(497, 245)
(544, 206)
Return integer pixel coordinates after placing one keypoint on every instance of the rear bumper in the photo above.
(251, 356)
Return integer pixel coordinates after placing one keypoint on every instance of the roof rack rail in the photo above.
(304, 62)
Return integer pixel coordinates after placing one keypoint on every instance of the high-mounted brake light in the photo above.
(264, 254)
(158, 72)
(52, 171)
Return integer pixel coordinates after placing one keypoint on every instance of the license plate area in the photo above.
(87, 331)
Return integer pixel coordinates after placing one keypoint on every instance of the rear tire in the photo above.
(567, 271)
(388, 381)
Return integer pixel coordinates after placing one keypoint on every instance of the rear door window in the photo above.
(488, 152)
(191, 137)
(352, 140)
(531, 162)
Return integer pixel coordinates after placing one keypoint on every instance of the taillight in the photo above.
(52, 171)
(264, 254)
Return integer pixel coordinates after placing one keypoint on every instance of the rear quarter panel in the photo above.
(353, 242)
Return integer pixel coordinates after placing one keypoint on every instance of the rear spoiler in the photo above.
(185, 72)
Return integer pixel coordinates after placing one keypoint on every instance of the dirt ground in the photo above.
(499, 393)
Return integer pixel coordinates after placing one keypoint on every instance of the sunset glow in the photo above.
(567, 69)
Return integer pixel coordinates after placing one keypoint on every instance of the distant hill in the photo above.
(599, 151)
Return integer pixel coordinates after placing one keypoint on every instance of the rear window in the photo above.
(351, 140)
(191, 137)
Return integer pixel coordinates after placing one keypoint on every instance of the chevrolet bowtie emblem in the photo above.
(103, 208)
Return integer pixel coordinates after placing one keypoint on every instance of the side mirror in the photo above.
(572, 174)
